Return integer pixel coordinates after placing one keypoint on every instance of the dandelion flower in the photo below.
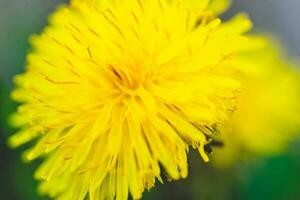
(115, 92)
(267, 117)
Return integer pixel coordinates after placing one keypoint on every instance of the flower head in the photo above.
(267, 117)
(116, 91)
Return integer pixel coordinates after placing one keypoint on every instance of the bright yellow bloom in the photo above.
(268, 110)
(112, 91)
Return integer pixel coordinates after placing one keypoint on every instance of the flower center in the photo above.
(128, 80)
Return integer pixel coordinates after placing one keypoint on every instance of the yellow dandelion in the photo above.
(268, 111)
(114, 92)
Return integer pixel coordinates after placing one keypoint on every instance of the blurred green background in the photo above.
(272, 178)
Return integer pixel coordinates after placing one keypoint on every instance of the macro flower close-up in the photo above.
(115, 97)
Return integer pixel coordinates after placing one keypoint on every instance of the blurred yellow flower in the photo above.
(268, 110)
(112, 91)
